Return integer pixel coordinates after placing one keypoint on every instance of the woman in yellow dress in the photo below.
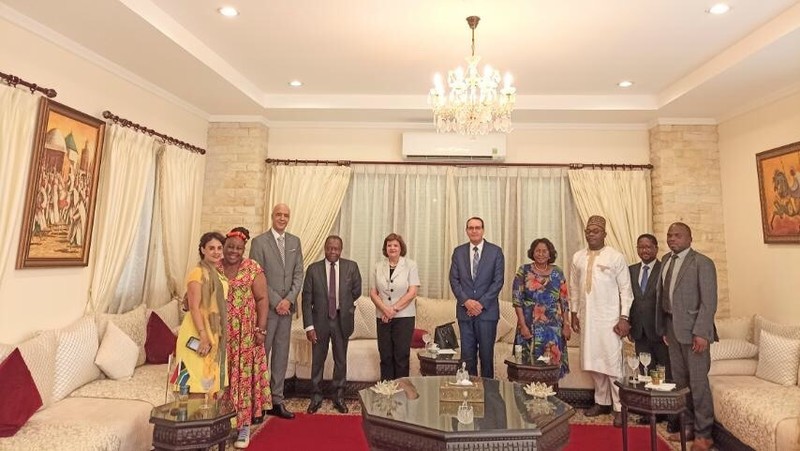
(204, 369)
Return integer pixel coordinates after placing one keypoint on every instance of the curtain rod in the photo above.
(13, 81)
(440, 163)
(149, 131)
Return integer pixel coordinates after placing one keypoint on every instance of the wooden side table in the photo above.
(527, 372)
(438, 365)
(636, 398)
(189, 425)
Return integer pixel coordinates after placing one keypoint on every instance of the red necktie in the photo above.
(332, 292)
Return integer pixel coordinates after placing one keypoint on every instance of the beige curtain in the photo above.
(128, 159)
(314, 195)
(622, 197)
(179, 199)
(17, 123)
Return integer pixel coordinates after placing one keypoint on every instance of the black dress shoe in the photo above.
(339, 405)
(259, 420)
(280, 411)
(596, 410)
(315, 405)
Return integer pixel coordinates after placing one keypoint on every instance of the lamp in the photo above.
(474, 105)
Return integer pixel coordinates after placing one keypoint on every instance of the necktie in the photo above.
(589, 270)
(475, 259)
(282, 248)
(645, 273)
(332, 292)
(666, 302)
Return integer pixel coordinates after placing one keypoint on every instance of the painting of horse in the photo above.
(779, 188)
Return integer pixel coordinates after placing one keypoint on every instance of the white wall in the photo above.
(763, 278)
(628, 145)
(34, 299)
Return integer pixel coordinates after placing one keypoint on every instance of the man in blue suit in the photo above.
(476, 278)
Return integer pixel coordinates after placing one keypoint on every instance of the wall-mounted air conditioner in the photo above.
(447, 146)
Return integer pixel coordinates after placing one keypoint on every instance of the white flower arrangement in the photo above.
(539, 390)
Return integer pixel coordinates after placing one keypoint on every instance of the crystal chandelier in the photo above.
(474, 105)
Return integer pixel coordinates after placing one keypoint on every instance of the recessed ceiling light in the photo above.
(719, 8)
(228, 11)
(295, 83)
(625, 84)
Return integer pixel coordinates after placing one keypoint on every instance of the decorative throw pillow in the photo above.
(75, 352)
(39, 354)
(778, 359)
(740, 328)
(733, 348)
(133, 323)
(416, 338)
(117, 354)
(169, 313)
(19, 395)
(160, 342)
(365, 324)
(784, 330)
(507, 326)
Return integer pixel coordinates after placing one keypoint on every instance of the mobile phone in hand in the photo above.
(193, 343)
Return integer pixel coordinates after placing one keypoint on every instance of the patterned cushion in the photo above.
(733, 348)
(784, 330)
(170, 313)
(365, 325)
(778, 358)
(507, 326)
(739, 328)
(19, 394)
(133, 323)
(435, 312)
(40, 356)
(117, 354)
(76, 349)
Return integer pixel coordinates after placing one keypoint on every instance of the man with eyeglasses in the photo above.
(476, 278)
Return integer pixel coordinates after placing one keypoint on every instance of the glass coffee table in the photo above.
(426, 414)
(191, 425)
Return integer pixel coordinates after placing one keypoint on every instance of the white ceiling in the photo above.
(373, 61)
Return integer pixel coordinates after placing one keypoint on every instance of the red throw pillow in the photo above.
(416, 338)
(19, 395)
(160, 343)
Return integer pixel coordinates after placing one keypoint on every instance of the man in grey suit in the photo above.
(686, 305)
(281, 256)
(330, 291)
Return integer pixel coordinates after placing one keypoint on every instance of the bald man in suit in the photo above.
(685, 309)
(330, 291)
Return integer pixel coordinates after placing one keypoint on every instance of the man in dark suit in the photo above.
(281, 256)
(686, 305)
(330, 291)
(644, 283)
(476, 278)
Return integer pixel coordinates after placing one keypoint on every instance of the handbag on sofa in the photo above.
(445, 336)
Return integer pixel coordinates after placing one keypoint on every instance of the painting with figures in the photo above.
(779, 188)
(62, 188)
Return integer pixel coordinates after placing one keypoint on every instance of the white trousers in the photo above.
(605, 392)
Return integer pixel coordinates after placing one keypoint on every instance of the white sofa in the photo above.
(82, 408)
(363, 361)
(751, 409)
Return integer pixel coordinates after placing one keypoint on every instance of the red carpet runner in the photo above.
(344, 433)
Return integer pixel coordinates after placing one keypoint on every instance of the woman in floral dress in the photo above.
(542, 305)
(247, 321)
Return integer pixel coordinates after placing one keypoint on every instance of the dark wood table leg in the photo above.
(624, 428)
(681, 421)
(653, 444)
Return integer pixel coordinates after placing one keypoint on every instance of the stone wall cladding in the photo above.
(686, 187)
(235, 180)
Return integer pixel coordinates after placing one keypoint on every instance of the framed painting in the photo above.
(779, 188)
(62, 188)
